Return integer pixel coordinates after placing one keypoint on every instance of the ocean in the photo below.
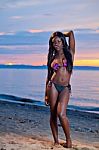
(28, 86)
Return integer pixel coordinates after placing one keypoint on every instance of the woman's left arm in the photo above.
(71, 37)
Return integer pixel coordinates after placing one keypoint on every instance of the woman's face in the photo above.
(57, 43)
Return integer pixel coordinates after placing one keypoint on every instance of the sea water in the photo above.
(30, 84)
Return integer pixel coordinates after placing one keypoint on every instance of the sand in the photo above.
(26, 127)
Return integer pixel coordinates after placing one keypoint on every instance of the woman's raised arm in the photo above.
(71, 37)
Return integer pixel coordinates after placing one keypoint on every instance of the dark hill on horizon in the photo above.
(21, 66)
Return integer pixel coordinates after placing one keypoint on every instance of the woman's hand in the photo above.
(46, 101)
(47, 95)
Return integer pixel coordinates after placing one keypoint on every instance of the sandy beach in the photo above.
(26, 127)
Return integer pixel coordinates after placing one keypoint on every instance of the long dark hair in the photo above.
(52, 52)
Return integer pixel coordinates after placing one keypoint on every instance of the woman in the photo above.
(58, 88)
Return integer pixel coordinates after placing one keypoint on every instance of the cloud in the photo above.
(87, 46)
(24, 22)
(85, 30)
(34, 42)
(31, 59)
(2, 33)
(35, 30)
(97, 30)
(16, 17)
(7, 33)
(48, 15)
(23, 49)
(25, 38)
(17, 3)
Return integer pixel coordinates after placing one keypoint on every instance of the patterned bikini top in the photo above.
(56, 66)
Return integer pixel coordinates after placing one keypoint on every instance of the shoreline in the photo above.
(28, 101)
(31, 123)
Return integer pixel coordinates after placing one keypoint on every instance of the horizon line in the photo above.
(29, 65)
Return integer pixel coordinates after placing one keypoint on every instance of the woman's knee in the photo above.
(61, 111)
(53, 114)
(62, 115)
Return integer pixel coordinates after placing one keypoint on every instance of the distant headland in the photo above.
(21, 66)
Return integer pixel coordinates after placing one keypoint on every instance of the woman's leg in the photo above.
(53, 112)
(61, 111)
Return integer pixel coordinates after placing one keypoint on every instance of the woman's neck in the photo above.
(60, 54)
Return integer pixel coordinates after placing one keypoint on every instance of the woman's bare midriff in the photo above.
(61, 76)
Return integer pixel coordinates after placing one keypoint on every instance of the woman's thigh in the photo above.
(53, 95)
(63, 100)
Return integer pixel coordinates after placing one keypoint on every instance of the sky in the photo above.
(26, 26)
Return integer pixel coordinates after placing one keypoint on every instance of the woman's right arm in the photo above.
(46, 88)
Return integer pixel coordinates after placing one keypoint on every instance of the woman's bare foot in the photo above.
(68, 143)
(56, 143)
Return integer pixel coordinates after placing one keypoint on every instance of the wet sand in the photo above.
(26, 127)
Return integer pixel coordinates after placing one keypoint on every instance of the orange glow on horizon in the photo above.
(86, 62)
(34, 30)
(38, 60)
(9, 63)
(76, 63)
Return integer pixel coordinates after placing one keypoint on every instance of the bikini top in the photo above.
(56, 66)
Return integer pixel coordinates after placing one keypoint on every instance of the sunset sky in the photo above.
(26, 25)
